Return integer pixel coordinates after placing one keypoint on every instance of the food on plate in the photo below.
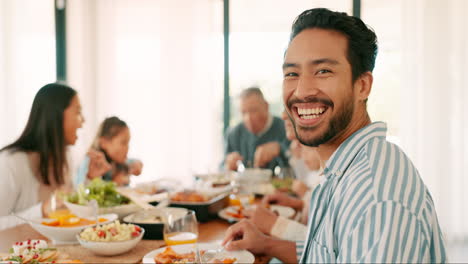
(170, 256)
(223, 261)
(35, 251)
(67, 219)
(111, 232)
(149, 190)
(103, 192)
(188, 196)
(235, 211)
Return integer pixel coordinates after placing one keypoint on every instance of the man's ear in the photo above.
(363, 86)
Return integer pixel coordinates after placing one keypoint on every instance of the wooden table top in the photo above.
(208, 232)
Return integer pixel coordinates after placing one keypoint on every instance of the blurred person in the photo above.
(304, 160)
(35, 166)
(107, 156)
(260, 140)
(372, 205)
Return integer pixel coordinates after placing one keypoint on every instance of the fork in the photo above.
(212, 254)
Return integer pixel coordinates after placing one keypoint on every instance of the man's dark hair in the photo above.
(44, 131)
(362, 41)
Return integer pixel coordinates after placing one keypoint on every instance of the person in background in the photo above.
(306, 164)
(372, 206)
(107, 156)
(35, 166)
(260, 140)
(304, 160)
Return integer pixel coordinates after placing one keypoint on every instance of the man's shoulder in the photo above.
(236, 130)
(394, 176)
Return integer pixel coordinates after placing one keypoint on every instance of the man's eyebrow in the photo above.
(287, 65)
(312, 62)
(324, 61)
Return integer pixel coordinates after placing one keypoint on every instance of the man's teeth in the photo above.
(310, 113)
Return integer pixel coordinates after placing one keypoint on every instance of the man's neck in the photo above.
(326, 150)
(266, 127)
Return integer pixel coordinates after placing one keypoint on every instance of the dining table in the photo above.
(211, 231)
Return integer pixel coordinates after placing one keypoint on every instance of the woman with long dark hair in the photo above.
(35, 165)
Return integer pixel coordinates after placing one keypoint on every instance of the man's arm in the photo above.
(387, 233)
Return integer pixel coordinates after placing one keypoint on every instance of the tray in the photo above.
(205, 211)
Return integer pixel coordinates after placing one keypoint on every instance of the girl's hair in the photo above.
(108, 129)
(44, 132)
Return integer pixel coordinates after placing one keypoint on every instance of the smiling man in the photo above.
(371, 205)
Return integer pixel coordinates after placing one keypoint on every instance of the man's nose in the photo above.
(306, 86)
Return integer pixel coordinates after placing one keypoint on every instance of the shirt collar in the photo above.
(345, 153)
(267, 127)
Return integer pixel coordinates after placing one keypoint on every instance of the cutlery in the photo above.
(212, 254)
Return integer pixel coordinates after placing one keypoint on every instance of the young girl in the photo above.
(35, 165)
(107, 157)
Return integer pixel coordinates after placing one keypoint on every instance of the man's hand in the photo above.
(266, 153)
(231, 160)
(299, 188)
(283, 199)
(262, 218)
(98, 164)
(135, 168)
(244, 235)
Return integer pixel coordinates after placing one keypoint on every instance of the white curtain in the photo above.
(158, 65)
(435, 114)
(27, 60)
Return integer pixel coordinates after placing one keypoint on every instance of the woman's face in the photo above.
(72, 120)
(117, 147)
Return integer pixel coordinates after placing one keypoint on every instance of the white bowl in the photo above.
(120, 210)
(111, 248)
(64, 235)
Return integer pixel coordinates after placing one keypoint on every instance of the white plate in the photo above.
(242, 256)
(283, 211)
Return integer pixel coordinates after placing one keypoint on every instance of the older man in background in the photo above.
(260, 140)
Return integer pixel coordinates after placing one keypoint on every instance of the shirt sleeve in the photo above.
(288, 229)
(387, 233)
(9, 196)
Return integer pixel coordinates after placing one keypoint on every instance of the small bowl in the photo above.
(111, 248)
(154, 228)
(120, 210)
(64, 235)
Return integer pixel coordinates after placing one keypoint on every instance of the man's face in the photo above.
(317, 85)
(254, 113)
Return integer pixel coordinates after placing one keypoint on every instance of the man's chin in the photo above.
(311, 137)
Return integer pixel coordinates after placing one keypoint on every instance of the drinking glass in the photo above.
(183, 230)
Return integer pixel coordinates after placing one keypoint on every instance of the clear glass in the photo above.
(183, 230)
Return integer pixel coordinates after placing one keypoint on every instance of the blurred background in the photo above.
(172, 69)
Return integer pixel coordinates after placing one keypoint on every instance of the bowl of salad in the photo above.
(108, 199)
(111, 239)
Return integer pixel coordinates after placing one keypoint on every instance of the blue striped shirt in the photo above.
(372, 207)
